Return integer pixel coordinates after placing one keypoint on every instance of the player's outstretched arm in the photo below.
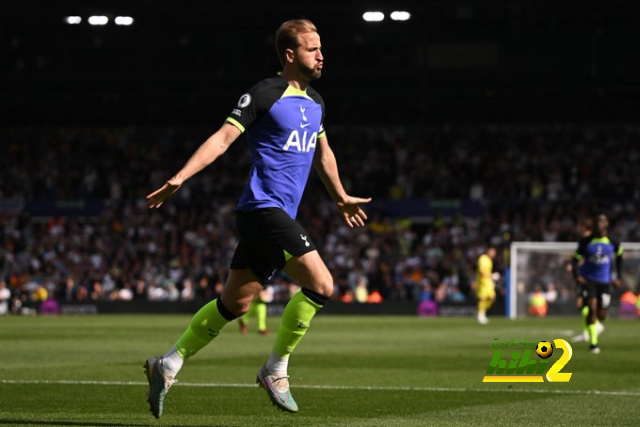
(206, 154)
(326, 166)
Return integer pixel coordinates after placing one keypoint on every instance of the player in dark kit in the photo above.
(582, 304)
(283, 119)
(592, 267)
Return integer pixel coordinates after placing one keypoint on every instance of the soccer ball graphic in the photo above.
(544, 349)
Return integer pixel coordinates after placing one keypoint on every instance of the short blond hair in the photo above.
(287, 35)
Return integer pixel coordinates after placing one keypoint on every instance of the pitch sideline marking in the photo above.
(328, 387)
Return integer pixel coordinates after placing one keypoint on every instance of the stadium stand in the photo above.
(76, 226)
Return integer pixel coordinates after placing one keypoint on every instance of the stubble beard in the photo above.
(310, 73)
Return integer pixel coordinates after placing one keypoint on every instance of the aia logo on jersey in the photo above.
(599, 257)
(301, 141)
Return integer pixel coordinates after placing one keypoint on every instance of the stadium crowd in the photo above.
(534, 183)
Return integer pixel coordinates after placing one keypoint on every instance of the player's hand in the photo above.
(155, 199)
(581, 280)
(616, 283)
(350, 209)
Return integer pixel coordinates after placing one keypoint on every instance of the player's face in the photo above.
(308, 56)
(603, 224)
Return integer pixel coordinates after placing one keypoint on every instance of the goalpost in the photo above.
(546, 267)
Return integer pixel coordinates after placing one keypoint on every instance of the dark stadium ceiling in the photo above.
(453, 60)
(20, 15)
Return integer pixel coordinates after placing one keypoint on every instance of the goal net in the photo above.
(543, 269)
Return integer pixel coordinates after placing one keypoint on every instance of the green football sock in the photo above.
(585, 318)
(296, 320)
(593, 334)
(260, 309)
(204, 327)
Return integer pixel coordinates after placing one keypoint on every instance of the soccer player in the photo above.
(259, 310)
(282, 117)
(485, 286)
(585, 228)
(597, 253)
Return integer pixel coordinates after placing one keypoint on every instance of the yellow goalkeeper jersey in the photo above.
(483, 275)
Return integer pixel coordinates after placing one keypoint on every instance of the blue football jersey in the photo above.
(282, 125)
(599, 254)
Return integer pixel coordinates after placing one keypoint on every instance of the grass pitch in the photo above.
(348, 371)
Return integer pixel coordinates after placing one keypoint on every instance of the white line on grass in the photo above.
(331, 387)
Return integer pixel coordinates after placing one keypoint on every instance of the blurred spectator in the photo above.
(40, 295)
(551, 295)
(537, 303)
(427, 293)
(361, 294)
(5, 295)
(455, 295)
(628, 302)
(187, 293)
(533, 182)
(375, 298)
(125, 293)
(347, 297)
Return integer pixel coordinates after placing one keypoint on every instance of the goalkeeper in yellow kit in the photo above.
(259, 310)
(485, 286)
